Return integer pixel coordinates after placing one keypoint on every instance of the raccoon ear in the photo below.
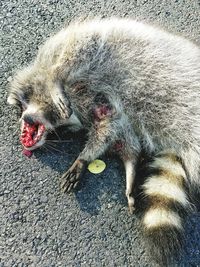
(61, 101)
(17, 99)
(12, 100)
(19, 91)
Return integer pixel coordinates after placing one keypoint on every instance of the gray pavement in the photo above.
(39, 225)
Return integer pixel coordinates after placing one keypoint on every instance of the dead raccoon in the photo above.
(123, 81)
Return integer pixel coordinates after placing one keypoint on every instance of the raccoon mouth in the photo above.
(31, 134)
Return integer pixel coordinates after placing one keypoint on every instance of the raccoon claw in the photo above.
(71, 178)
(69, 181)
(63, 108)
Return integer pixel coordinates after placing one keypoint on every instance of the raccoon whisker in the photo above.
(53, 148)
(52, 131)
(59, 141)
(47, 149)
(57, 134)
(52, 145)
(50, 148)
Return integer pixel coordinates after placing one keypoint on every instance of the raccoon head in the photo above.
(44, 106)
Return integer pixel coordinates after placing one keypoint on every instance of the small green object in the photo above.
(97, 166)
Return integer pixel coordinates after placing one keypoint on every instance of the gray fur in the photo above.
(151, 79)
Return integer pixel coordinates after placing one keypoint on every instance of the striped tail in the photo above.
(166, 204)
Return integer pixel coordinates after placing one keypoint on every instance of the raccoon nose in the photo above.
(28, 119)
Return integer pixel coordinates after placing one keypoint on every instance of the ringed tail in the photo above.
(166, 204)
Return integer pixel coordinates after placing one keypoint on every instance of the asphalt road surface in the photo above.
(39, 225)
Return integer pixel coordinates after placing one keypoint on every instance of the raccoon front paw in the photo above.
(71, 178)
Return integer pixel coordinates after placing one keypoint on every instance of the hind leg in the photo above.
(130, 178)
(129, 159)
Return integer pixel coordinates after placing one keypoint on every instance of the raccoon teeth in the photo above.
(31, 134)
(41, 129)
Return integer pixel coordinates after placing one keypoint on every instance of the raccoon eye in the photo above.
(26, 96)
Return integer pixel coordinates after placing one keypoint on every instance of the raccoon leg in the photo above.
(166, 203)
(107, 127)
(129, 159)
(100, 138)
(130, 177)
